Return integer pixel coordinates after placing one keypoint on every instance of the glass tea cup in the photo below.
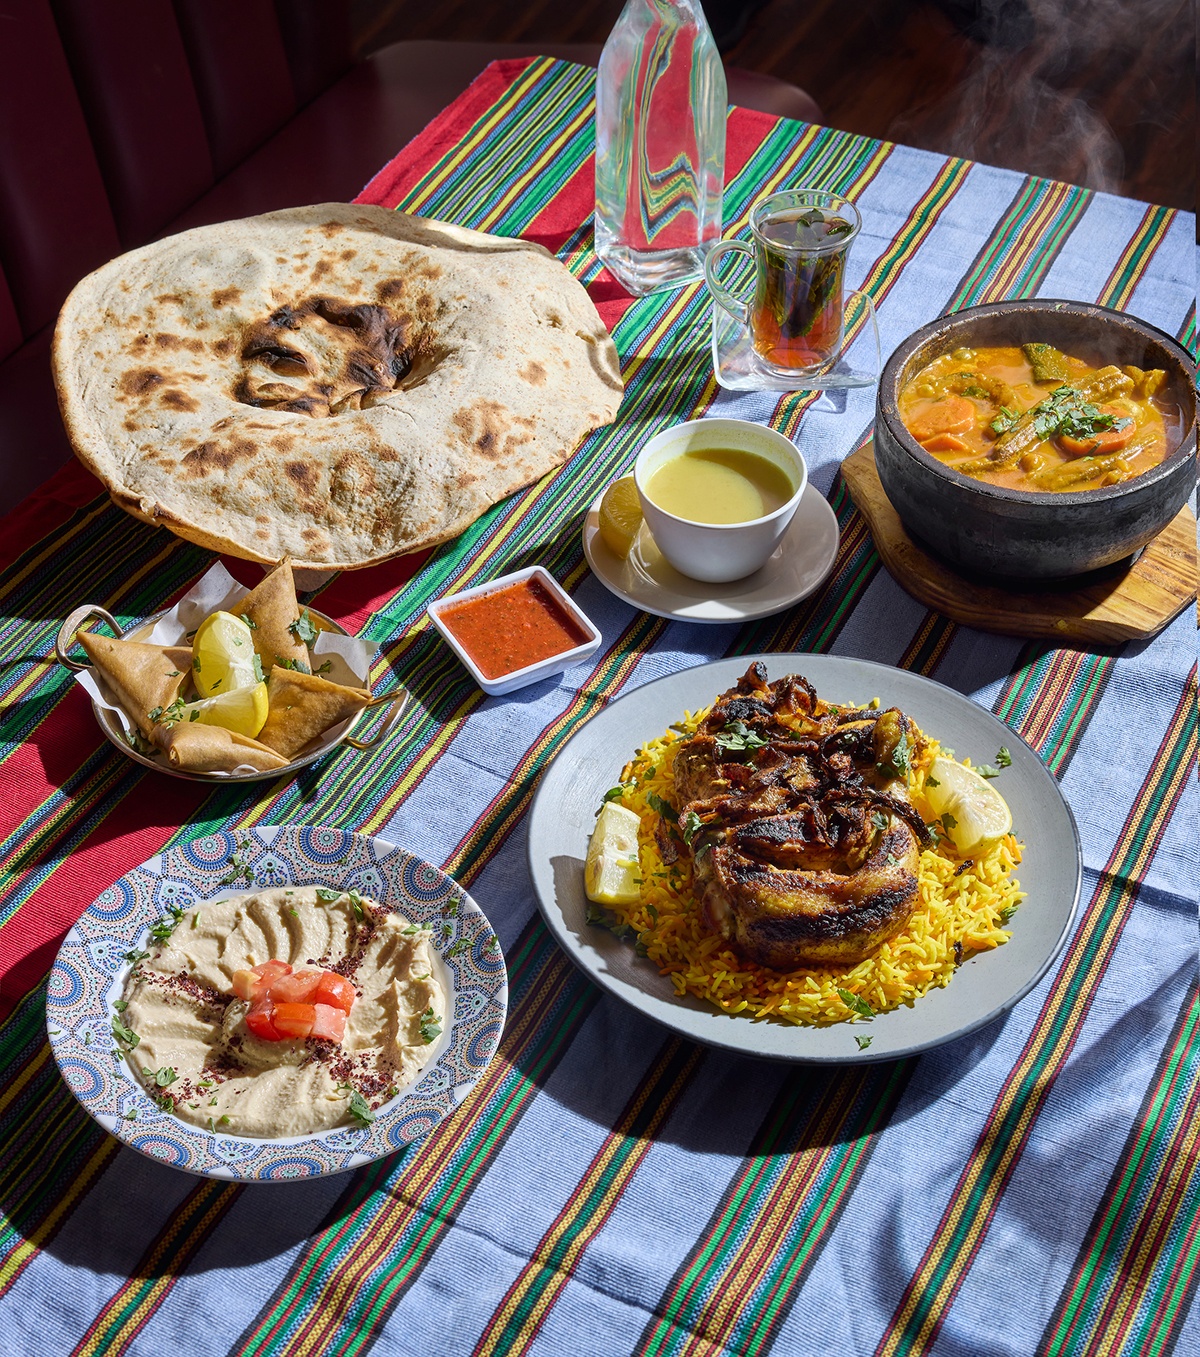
(800, 240)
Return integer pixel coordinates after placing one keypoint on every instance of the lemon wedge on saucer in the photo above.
(978, 814)
(620, 516)
(610, 874)
(223, 656)
(242, 710)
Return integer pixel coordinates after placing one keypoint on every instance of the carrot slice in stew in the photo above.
(945, 442)
(955, 414)
(1107, 440)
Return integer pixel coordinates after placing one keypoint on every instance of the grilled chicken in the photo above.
(805, 846)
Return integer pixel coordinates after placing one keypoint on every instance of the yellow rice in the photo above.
(960, 902)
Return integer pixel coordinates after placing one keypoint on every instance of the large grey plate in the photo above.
(564, 812)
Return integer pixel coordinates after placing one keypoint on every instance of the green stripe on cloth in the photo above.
(1138, 1262)
(921, 1311)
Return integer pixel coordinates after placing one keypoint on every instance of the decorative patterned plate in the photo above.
(90, 970)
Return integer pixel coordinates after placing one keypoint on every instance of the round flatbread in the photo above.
(337, 383)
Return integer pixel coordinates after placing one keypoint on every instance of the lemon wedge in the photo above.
(620, 516)
(223, 656)
(610, 875)
(979, 815)
(242, 710)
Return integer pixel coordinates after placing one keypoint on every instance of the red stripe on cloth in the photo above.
(443, 133)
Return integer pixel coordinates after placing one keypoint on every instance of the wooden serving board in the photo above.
(1110, 607)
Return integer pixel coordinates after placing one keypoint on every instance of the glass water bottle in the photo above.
(660, 145)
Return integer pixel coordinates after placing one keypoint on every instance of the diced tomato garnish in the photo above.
(328, 1023)
(288, 1004)
(336, 991)
(297, 988)
(294, 1020)
(260, 1021)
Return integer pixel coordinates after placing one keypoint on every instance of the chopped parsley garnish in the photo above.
(1007, 912)
(131, 1115)
(175, 673)
(1068, 413)
(414, 928)
(987, 770)
(238, 871)
(360, 1109)
(298, 665)
(125, 1035)
(162, 1078)
(599, 917)
(139, 745)
(738, 738)
(249, 621)
(690, 825)
(613, 794)
(356, 903)
(664, 808)
(1005, 420)
(135, 956)
(324, 668)
(120, 1005)
(303, 630)
(327, 896)
(1003, 757)
(163, 929)
(196, 664)
(216, 684)
(899, 762)
(258, 669)
(948, 822)
(431, 1029)
(863, 1042)
(856, 1003)
(932, 782)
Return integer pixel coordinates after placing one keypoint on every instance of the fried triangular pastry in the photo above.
(200, 748)
(303, 706)
(272, 611)
(142, 678)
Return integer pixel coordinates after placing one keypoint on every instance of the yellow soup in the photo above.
(719, 485)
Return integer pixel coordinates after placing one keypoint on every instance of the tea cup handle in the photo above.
(738, 310)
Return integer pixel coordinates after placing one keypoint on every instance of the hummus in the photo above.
(197, 1058)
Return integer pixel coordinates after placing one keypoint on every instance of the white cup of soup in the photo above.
(718, 495)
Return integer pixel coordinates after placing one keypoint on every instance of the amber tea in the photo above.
(800, 242)
(796, 320)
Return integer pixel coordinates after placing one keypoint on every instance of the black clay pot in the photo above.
(1021, 535)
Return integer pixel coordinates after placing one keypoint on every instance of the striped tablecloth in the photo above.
(609, 1188)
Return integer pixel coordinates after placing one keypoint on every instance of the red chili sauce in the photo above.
(513, 627)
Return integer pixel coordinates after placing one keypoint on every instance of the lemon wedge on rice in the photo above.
(610, 874)
(979, 815)
(620, 516)
(242, 710)
(223, 656)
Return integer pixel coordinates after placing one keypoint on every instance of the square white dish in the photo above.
(531, 673)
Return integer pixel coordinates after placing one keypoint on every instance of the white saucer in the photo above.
(802, 561)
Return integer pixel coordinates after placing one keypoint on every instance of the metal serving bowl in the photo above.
(343, 733)
(1019, 534)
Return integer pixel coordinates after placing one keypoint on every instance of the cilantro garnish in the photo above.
(360, 1109)
(856, 1003)
(249, 621)
(298, 665)
(899, 762)
(324, 668)
(1005, 420)
(125, 1035)
(599, 917)
(690, 825)
(135, 956)
(328, 896)
(1067, 412)
(664, 808)
(1003, 757)
(738, 738)
(431, 1029)
(162, 1078)
(613, 794)
(303, 630)
(260, 677)
(163, 929)
(863, 1042)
